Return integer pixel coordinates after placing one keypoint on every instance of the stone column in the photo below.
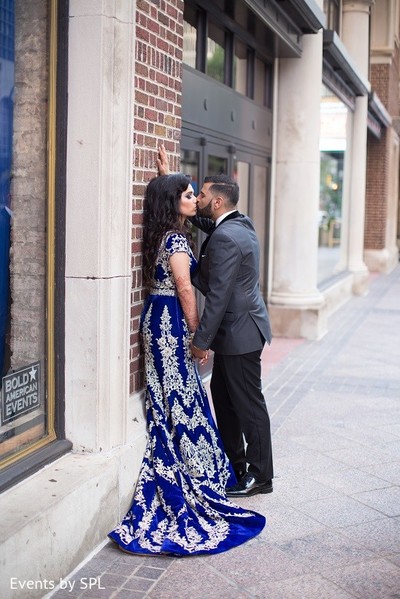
(356, 19)
(98, 223)
(296, 306)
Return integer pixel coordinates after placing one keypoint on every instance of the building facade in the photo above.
(281, 95)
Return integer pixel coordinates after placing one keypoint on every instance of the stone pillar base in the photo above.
(383, 261)
(360, 282)
(291, 321)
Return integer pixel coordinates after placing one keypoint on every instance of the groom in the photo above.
(235, 325)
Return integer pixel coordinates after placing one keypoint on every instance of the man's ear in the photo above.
(218, 202)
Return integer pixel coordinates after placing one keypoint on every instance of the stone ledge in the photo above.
(383, 260)
(55, 518)
(291, 321)
(337, 292)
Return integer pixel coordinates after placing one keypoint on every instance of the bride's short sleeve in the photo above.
(176, 242)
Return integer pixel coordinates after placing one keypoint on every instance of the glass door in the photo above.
(201, 158)
(252, 174)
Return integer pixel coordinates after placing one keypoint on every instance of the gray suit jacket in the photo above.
(235, 319)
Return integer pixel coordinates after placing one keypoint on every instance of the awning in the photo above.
(287, 33)
(378, 116)
(340, 73)
(305, 13)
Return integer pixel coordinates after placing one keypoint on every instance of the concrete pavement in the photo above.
(333, 527)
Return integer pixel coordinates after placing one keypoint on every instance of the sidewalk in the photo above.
(333, 527)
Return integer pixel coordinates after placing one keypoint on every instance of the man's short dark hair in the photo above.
(224, 186)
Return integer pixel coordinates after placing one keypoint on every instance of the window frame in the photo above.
(332, 22)
(53, 444)
(233, 33)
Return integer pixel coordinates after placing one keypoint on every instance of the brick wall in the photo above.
(157, 119)
(385, 80)
(376, 192)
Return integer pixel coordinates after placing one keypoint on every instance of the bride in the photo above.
(179, 505)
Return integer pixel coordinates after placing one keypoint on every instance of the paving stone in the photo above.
(326, 441)
(305, 463)
(67, 594)
(389, 471)
(369, 435)
(149, 572)
(380, 536)
(394, 558)
(385, 500)
(350, 481)
(392, 429)
(358, 457)
(285, 522)
(106, 593)
(257, 565)
(338, 512)
(373, 579)
(138, 584)
(198, 575)
(128, 594)
(305, 587)
(293, 490)
(328, 550)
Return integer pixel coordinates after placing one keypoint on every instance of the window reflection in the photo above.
(216, 53)
(189, 38)
(240, 68)
(222, 55)
(259, 217)
(259, 82)
(24, 104)
(241, 174)
(333, 115)
(263, 83)
(190, 166)
(217, 165)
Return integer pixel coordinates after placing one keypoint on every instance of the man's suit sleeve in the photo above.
(204, 224)
(224, 258)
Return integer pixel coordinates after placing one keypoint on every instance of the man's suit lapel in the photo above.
(230, 216)
(207, 239)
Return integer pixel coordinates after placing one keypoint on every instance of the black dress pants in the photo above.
(241, 412)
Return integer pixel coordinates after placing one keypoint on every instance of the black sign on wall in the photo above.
(20, 392)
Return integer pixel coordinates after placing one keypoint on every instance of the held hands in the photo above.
(200, 354)
(162, 161)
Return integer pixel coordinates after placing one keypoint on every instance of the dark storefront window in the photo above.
(221, 53)
(28, 43)
(333, 142)
(241, 68)
(215, 66)
(7, 54)
(190, 37)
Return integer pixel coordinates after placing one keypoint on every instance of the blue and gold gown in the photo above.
(179, 506)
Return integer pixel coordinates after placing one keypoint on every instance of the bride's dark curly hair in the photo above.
(161, 214)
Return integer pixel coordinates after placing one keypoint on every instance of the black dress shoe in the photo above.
(239, 474)
(248, 486)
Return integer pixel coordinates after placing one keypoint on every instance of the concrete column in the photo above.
(296, 306)
(98, 222)
(356, 19)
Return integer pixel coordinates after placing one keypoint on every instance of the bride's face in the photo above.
(188, 203)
